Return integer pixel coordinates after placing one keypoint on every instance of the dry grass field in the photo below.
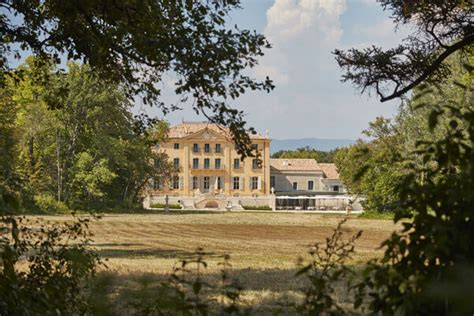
(264, 247)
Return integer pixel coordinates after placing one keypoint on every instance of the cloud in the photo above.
(298, 28)
(309, 99)
(290, 18)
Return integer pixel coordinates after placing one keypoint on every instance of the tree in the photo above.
(136, 43)
(371, 169)
(307, 153)
(86, 148)
(435, 248)
(9, 178)
(441, 28)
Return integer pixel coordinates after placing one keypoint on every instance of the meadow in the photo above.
(264, 247)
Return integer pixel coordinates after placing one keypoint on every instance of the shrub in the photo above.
(326, 268)
(49, 205)
(56, 267)
(161, 205)
(187, 293)
(257, 207)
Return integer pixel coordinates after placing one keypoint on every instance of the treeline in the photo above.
(374, 168)
(307, 153)
(70, 141)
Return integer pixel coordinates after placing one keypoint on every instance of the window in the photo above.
(219, 183)
(206, 163)
(207, 148)
(195, 183)
(217, 163)
(310, 185)
(206, 183)
(176, 146)
(195, 163)
(176, 163)
(236, 163)
(218, 148)
(195, 148)
(255, 164)
(236, 183)
(175, 183)
(255, 147)
(335, 188)
(272, 182)
(157, 183)
(295, 185)
(254, 184)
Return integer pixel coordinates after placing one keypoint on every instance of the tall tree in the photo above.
(85, 146)
(371, 169)
(440, 28)
(9, 178)
(137, 42)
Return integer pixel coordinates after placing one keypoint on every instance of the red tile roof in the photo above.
(330, 170)
(294, 164)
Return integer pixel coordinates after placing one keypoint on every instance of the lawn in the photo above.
(263, 246)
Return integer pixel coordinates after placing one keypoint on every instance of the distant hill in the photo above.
(316, 143)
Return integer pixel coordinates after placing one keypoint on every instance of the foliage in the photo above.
(48, 204)
(136, 43)
(57, 264)
(307, 153)
(372, 168)
(326, 268)
(436, 242)
(439, 29)
(257, 207)
(9, 178)
(185, 292)
(86, 149)
(161, 205)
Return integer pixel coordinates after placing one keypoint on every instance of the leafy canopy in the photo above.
(307, 153)
(137, 42)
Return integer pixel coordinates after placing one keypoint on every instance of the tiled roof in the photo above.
(188, 128)
(330, 170)
(295, 164)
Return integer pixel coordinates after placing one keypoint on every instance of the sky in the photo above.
(309, 99)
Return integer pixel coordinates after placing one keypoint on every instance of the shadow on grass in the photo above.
(263, 291)
(146, 252)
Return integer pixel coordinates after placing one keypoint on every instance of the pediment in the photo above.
(207, 134)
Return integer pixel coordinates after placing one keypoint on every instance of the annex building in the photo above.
(211, 174)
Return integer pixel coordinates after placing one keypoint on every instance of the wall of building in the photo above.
(226, 173)
(199, 202)
(284, 180)
(329, 184)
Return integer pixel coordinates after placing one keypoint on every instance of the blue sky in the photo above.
(309, 100)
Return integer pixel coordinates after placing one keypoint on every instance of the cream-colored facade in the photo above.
(209, 165)
(304, 176)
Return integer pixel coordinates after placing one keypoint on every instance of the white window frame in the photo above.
(208, 182)
(236, 183)
(175, 183)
